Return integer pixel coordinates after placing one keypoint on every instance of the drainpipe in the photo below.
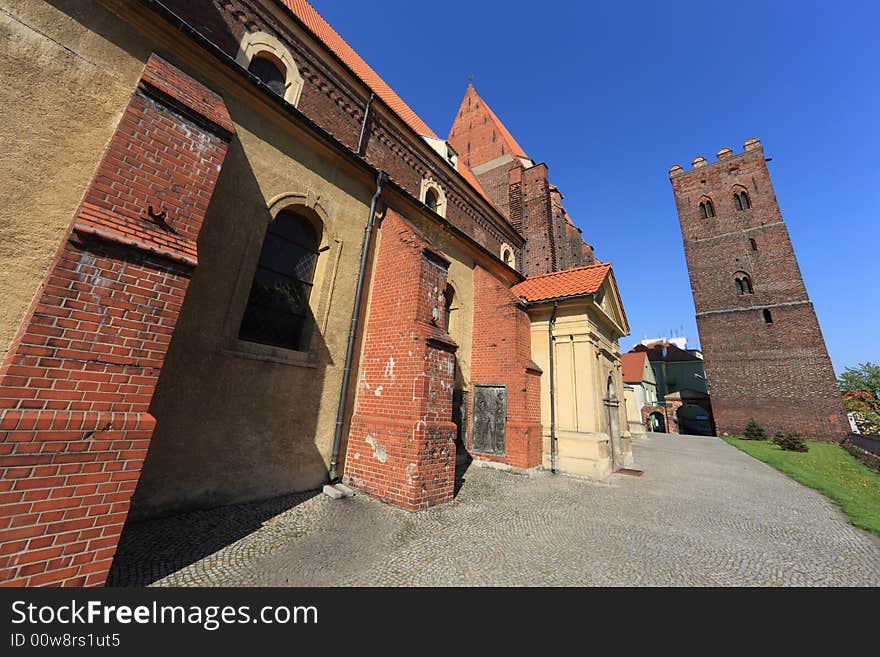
(364, 123)
(381, 179)
(552, 404)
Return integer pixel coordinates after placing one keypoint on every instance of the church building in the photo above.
(236, 264)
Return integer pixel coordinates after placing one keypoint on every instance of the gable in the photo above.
(610, 304)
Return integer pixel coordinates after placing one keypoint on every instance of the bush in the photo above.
(754, 431)
(791, 442)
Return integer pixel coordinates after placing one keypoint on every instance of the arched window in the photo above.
(269, 59)
(269, 72)
(449, 296)
(741, 200)
(277, 311)
(707, 209)
(768, 317)
(753, 244)
(431, 199)
(743, 283)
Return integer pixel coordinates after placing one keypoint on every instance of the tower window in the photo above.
(277, 311)
(741, 201)
(743, 283)
(269, 73)
(707, 209)
(753, 244)
(768, 316)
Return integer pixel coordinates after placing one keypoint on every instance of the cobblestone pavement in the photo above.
(703, 514)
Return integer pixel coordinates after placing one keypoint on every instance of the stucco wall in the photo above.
(64, 90)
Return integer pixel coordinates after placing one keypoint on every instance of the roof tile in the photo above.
(566, 283)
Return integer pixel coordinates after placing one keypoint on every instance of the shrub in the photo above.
(791, 442)
(754, 431)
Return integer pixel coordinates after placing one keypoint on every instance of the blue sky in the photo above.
(610, 95)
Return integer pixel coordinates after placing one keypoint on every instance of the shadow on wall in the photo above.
(231, 427)
(151, 550)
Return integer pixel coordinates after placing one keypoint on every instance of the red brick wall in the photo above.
(501, 354)
(400, 446)
(75, 387)
(338, 105)
(780, 373)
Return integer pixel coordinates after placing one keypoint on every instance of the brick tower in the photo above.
(765, 355)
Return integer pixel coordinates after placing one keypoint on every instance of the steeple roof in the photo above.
(478, 135)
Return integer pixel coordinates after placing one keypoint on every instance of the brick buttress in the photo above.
(400, 446)
(76, 385)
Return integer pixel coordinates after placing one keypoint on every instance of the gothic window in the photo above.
(277, 311)
(741, 200)
(743, 283)
(707, 209)
(269, 73)
(768, 317)
(753, 244)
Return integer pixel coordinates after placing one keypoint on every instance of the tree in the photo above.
(861, 396)
(864, 378)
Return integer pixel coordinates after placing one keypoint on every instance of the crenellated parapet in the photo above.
(699, 162)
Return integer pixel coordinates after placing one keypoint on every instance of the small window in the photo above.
(743, 283)
(768, 316)
(431, 200)
(507, 256)
(269, 73)
(277, 311)
(449, 297)
(741, 200)
(703, 214)
(737, 202)
(710, 208)
(753, 244)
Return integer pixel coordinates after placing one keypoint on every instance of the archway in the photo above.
(657, 422)
(693, 419)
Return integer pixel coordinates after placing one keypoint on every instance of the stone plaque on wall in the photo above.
(489, 419)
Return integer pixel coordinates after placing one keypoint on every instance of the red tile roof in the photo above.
(330, 38)
(633, 366)
(512, 146)
(566, 283)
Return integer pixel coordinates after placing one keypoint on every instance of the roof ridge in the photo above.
(566, 271)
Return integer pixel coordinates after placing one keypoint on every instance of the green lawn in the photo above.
(830, 470)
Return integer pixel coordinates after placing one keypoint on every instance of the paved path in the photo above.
(703, 514)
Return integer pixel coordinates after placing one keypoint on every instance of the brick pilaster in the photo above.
(400, 446)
